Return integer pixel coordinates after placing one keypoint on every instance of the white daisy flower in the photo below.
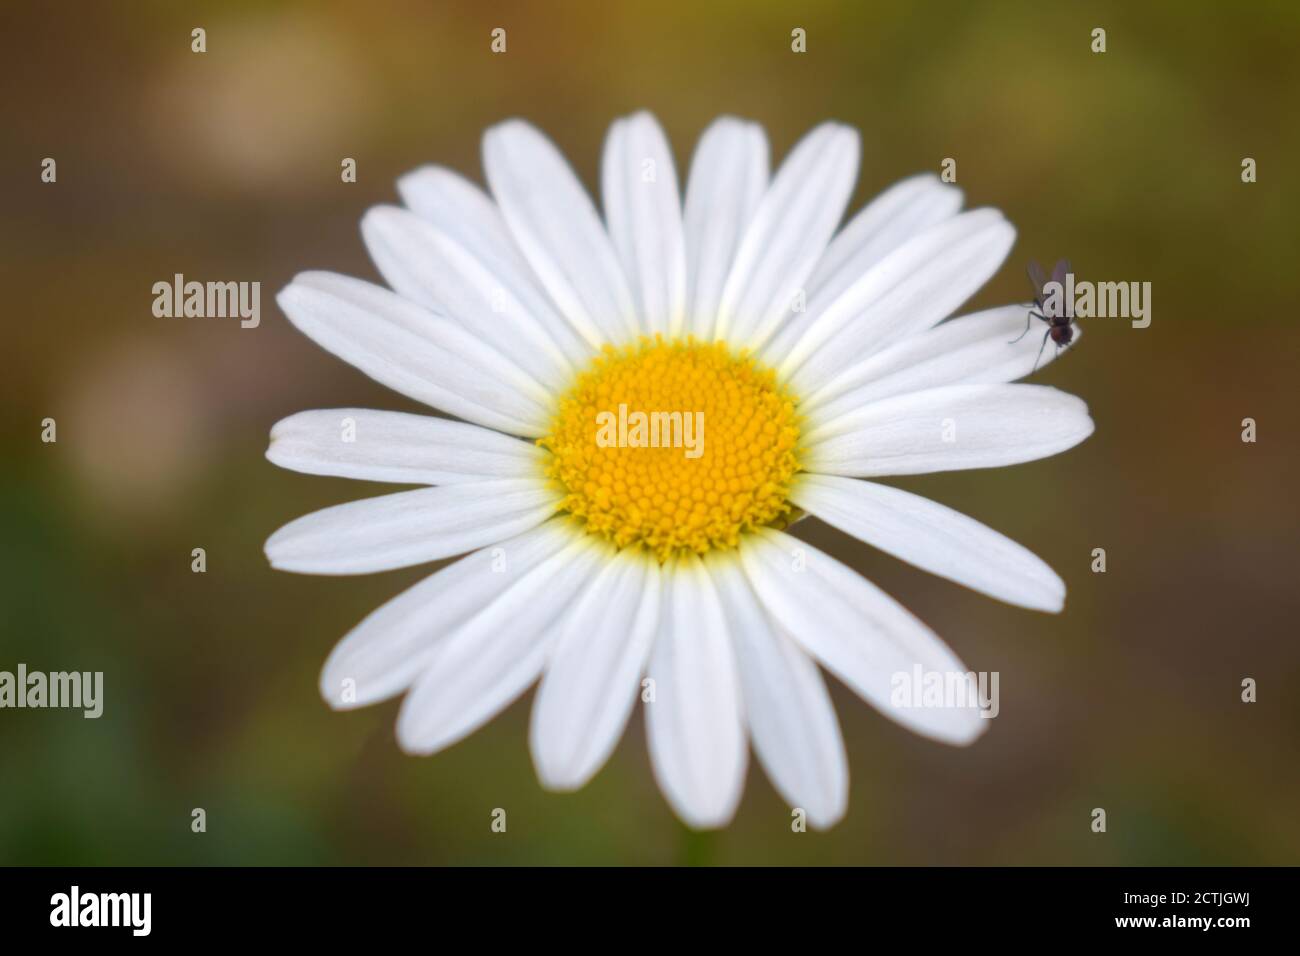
(613, 573)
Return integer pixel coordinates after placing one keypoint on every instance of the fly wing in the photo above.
(1058, 275)
(1037, 278)
(1062, 267)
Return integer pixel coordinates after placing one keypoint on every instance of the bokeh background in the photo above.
(226, 166)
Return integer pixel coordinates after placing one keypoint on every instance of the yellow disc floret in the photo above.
(674, 445)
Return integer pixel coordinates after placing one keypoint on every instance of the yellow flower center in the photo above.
(674, 445)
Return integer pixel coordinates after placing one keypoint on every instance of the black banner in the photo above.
(333, 905)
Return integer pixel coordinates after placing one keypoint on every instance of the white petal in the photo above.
(477, 670)
(465, 213)
(410, 527)
(557, 229)
(644, 212)
(932, 537)
(903, 211)
(791, 720)
(591, 681)
(789, 232)
(727, 181)
(949, 429)
(695, 726)
(857, 631)
(415, 352)
(384, 654)
(399, 447)
(462, 211)
(986, 348)
(429, 267)
(911, 289)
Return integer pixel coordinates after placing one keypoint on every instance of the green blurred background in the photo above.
(226, 166)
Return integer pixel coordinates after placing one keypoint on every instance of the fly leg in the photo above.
(1040, 351)
(1028, 321)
